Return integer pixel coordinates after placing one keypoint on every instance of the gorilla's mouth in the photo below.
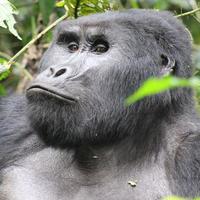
(51, 92)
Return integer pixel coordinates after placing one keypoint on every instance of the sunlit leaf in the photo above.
(60, 3)
(4, 71)
(173, 198)
(134, 4)
(157, 85)
(7, 20)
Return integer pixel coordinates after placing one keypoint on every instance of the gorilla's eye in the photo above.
(100, 46)
(73, 46)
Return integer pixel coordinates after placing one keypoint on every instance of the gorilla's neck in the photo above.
(142, 145)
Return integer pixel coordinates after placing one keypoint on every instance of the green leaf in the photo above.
(174, 198)
(7, 19)
(161, 5)
(2, 90)
(157, 85)
(134, 4)
(3, 73)
(60, 3)
(4, 70)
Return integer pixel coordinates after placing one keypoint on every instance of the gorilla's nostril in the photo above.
(50, 72)
(60, 72)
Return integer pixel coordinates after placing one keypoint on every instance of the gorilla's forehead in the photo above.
(85, 23)
(111, 18)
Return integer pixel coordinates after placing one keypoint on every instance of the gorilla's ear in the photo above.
(168, 65)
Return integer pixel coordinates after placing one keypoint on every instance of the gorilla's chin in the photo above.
(51, 122)
(60, 125)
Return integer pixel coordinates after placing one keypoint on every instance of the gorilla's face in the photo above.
(93, 64)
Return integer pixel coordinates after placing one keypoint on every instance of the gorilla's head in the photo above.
(94, 63)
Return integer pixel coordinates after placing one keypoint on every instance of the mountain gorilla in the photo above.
(72, 137)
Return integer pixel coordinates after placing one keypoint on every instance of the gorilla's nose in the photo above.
(56, 72)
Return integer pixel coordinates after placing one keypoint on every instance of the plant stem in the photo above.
(188, 13)
(10, 62)
(76, 8)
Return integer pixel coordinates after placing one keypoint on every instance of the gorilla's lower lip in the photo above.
(50, 92)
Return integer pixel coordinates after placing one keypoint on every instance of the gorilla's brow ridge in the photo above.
(65, 27)
(91, 33)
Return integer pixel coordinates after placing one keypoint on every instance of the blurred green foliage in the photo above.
(77, 8)
(46, 7)
(178, 198)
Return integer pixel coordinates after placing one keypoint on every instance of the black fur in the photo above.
(142, 44)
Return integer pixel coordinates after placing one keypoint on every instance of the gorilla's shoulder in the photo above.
(16, 136)
(11, 105)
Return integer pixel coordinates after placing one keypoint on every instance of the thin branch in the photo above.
(12, 60)
(188, 13)
(76, 8)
